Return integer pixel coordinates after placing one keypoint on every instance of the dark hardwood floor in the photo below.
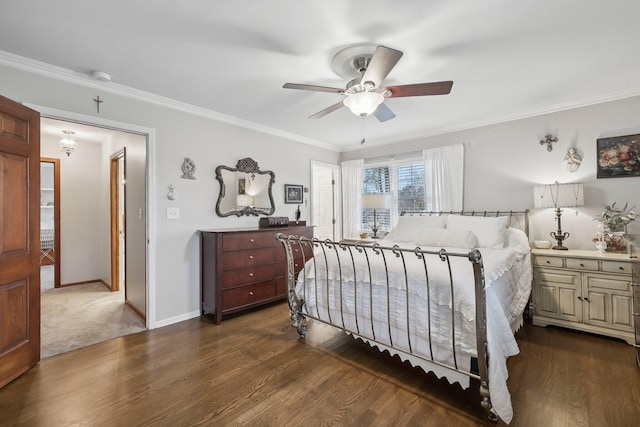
(252, 370)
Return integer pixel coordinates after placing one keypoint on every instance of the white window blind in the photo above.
(404, 182)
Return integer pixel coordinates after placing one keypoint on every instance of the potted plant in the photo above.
(614, 221)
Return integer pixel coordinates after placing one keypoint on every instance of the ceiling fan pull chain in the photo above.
(362, 132)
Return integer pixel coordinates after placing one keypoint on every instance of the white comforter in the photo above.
(508, 285)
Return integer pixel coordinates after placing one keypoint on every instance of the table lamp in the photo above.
(375, 201)
(558, 196)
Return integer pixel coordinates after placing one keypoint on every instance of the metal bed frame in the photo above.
(323, 247)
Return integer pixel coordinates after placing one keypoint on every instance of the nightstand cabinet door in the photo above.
(559, 295)
(609, 302)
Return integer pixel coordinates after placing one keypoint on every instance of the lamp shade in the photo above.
(375, 201)
(558, 195)
(363, 103)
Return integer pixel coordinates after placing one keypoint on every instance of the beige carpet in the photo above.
(78, 316)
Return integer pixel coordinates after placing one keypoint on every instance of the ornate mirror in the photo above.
(245, 189)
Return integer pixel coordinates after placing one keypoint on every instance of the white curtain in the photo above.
(444, 178)
(351, 197)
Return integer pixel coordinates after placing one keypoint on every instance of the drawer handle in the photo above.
(581, 265)
(580, 298)
(251, 240)
(548, 262)
(586, 299)
(295, 265)
(250, 256)
(621, 268)
(251, 293)
(251, 274)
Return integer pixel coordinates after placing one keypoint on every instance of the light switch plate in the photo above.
(173, 213)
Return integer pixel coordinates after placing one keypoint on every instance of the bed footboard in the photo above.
(398, 298)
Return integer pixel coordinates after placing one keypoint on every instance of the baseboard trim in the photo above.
(84, 282)
(177, 319)
(136, 309)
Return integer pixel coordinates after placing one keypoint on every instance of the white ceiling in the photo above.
(508, 59)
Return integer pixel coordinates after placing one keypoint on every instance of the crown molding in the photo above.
(68, 76)
(555, 108)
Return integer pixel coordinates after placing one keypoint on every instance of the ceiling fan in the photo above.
(364, 95)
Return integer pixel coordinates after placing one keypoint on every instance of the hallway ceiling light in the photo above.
(67, 143)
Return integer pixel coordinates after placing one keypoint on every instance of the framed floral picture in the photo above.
(618, 156)
(293, 194)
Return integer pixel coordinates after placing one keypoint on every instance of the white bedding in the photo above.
(508, 285)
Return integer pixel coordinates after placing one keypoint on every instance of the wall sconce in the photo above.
(558, 196)
(67, 143)
(548, 139)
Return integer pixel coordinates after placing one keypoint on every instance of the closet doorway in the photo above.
(50, 250)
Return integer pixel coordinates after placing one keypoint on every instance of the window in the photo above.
(405, 184)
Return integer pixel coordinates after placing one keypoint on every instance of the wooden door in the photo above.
(19, 239)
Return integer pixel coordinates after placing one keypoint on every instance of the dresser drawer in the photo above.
(582, 264)
(616, 267)
(548, 261)
(281, 267)
(248, 258)
(297, 249)
(242, 241)
(247, 275)
(249, 294)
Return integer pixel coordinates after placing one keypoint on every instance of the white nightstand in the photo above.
(584, 290)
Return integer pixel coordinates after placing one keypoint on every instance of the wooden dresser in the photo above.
(244, 268)
(584, 290)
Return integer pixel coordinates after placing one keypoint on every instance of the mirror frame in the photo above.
(247, 165)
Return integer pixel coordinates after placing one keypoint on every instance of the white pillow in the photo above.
(517, 240)
(447, 238)
(408, 227)
(489, 230)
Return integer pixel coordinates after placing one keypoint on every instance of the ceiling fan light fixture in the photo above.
(363, 103)
(67, 143)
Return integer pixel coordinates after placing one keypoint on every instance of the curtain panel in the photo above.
(444, 178)
(351, 197)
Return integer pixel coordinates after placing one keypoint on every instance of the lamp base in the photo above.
(559, 235)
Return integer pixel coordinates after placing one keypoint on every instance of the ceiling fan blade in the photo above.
(327, 110)
(420, 89)
(382, 61)
(383, 113)
(312, 87)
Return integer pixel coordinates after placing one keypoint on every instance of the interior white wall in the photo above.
(178, 134)
(504, 161)
(80, 210)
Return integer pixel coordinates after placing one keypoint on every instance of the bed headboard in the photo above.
(517, 219)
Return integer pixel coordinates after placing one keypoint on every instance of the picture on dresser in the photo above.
(618, 156)
(292, 194)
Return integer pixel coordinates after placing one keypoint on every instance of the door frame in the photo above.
(150, 134)
(56, 218)
(114, 197)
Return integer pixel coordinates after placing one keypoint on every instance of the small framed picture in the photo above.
(618, 156)
(293, 194)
